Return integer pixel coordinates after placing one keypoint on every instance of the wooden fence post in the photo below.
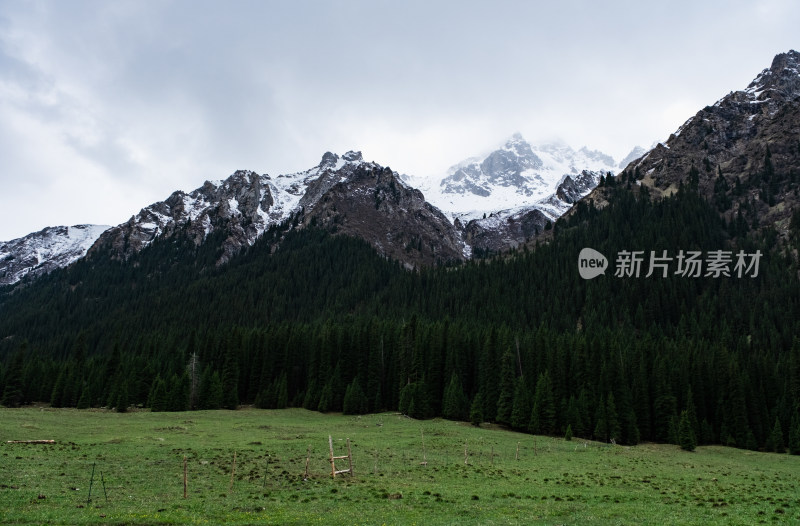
(233, 473)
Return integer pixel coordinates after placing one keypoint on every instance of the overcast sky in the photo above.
(108, 106)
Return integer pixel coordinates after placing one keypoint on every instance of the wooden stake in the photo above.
(91, 482)
(333, 464)
(350, 458)
(424, 456)
(308, 459)
(516, 457)
(492, 462)
(233, 473)
(465, 453)
(185, 481)
(266, 470)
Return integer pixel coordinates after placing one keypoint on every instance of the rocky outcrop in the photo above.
(742, 153)
(499, 232)
(371, 202)
(44, 251)
(572, 189)
(241, 205)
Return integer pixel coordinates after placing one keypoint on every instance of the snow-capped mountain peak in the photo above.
(516, 176)
(41, 252)
(246, 203)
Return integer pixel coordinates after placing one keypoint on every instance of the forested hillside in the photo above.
(314, 319)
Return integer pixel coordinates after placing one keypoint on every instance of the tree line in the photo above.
(311, 319)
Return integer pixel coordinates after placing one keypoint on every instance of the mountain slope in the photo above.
(346, 193)
(41, 252)
(371, 202)
(743, 152)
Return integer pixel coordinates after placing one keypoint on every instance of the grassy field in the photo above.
(138, 461)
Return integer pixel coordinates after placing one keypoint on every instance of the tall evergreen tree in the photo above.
(543, 415)
(123, 401)
(12, 392)
(686, 436)
(505, 400)
(776, 438)
(476, 410)
(230, 379)
(455, 405)
(521, 412)
(794, 434)
(355, 401)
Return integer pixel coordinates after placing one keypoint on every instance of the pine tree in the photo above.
(776, 438)
(686, 436)
(178, 396)
(158, 400)
(612, 417)
(521, 412)
(455, 405)
(476, 410)
(57, 396)
(794, 435)
(543, 415)
(122, 402)
(230, 379)
(355, 401)
(414, 400)
(325, 403)
(568, 433)
(83, 401)
(505, 399)
(282, 393)
(12, 392)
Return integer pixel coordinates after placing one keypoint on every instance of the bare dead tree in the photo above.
(193, 368)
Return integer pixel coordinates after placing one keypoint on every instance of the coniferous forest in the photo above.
(308, 318)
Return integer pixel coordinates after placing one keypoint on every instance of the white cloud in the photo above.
(106, 107)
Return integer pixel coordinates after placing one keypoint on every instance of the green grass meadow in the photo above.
(138, 479)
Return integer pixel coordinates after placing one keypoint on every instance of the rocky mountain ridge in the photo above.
(364, 199)
(41, 252)
(742, 152)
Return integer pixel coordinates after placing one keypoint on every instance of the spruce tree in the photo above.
(612, 417)
(568, 433)
(521, 412)
(282, 393)
(455, 405)
(686, 436)
(158, 395)
(543, 415)
(12, 392)
(355, 401)
(122, 402)
(230, 379)
(476, 410)
(84, 401)
(776, 438)
(505, 399)
(794, 435)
